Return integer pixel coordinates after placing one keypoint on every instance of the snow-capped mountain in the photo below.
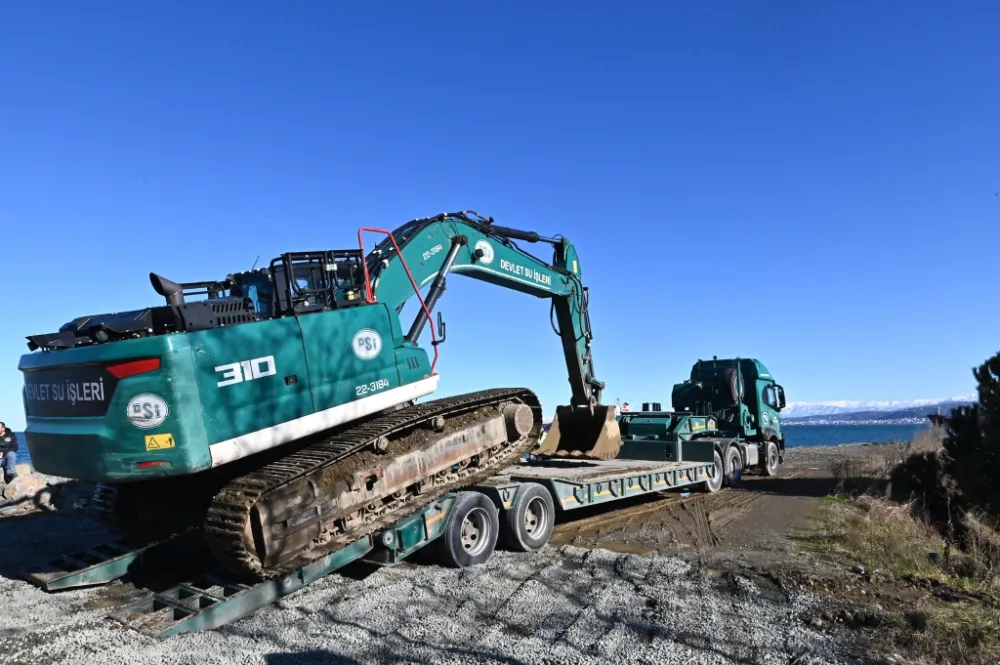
(803, 409)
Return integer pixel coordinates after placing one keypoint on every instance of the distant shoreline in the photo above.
(848, 423)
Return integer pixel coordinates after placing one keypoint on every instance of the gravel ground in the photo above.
(560, 605)
(715, 595)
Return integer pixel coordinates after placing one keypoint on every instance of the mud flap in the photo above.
(575, 432)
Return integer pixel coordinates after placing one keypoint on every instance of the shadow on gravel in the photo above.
(801, 487)
(314, 657)
(34, 537)
(563, 517)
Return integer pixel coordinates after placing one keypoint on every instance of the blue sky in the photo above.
(812, 184)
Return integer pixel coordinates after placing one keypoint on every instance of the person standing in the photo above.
(8, 451)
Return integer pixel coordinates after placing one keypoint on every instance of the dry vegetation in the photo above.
(872, 472)
(937, 594)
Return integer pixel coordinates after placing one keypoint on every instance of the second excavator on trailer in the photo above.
(277, 414)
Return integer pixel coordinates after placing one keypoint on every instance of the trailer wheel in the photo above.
(528, 523)
(715, 484)
(734, 462)
(471, 532)
(772, 459)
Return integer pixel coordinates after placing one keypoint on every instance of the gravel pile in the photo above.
(564, 605)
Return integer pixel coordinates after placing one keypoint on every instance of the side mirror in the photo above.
(781, 396)
(441, 329)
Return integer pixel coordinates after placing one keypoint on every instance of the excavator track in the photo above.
(296, 497)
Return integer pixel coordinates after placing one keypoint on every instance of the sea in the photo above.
(795, 435)
(835, 435)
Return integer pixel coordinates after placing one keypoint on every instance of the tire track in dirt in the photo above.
(666, 522)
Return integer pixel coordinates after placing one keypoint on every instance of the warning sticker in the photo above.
(159, 441)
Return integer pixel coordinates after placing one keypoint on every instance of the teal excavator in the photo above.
(275, 411)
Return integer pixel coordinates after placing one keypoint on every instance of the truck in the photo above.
(713, 405)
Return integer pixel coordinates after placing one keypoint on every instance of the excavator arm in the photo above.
(468, 244)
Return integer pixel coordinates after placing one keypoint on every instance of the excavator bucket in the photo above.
(578, 433)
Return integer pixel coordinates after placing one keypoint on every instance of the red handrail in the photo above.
(368, 285)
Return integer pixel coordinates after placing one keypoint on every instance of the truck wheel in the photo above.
(734, 462)
(715, 484)
(471, 532)
(528, 523)
(772, 459)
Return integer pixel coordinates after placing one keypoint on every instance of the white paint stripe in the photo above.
(269, 437)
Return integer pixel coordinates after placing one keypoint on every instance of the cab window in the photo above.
(770, 398)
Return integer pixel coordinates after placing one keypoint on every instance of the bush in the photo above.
(972, 444)
(955, 486)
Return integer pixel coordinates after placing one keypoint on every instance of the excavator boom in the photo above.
(474, 246)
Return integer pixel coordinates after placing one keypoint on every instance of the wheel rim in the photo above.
(772, 456)
(535, 518)
(737, 465)
(475, 531)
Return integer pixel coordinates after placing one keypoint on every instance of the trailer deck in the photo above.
(579, 483)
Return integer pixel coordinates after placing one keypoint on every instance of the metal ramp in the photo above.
(216, 599)
(87, 567)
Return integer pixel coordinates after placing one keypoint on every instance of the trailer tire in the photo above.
(528, 523)
(734, 466)
(771, 463)
(470, 535)
(715, 484)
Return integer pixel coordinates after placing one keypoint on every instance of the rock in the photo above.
(48, 492)
(860, 570)
(917, 620)
(23, 486)
(44, 498)
(73, 495)
(744, 586)
(816, 622)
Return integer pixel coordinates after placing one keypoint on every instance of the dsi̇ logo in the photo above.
(367, 344)
(147, 410)
(487, 249)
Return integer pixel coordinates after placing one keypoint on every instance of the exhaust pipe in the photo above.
(171, 291)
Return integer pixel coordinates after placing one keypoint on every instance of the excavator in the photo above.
(276, 412)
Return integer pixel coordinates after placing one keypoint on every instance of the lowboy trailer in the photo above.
(514, 510)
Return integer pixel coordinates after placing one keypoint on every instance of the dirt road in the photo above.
(749, 524)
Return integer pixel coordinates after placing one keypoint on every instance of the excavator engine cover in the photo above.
(576, 432)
